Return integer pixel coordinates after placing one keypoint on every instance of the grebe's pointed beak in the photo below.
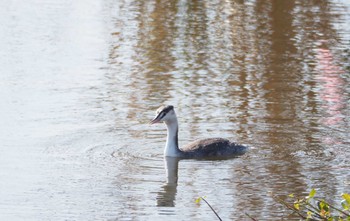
(156, 119)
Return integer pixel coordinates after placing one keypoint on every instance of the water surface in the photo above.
(80, 80)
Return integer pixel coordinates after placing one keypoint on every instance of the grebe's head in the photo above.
(164, 114)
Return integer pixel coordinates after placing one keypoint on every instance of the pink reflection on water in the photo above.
(330, 89)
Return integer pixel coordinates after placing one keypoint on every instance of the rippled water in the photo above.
(79, 81)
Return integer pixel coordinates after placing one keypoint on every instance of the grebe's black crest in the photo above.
(165, 109)
(161, 113)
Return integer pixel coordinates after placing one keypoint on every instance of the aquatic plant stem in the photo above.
(211, 208)
(250, 217)
(289, 207)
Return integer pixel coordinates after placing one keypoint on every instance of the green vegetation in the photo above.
(308, 208)
(313, 209)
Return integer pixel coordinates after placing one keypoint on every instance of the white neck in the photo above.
(172, 147)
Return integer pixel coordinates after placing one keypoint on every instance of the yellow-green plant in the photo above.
(308, 208)
(312, 208)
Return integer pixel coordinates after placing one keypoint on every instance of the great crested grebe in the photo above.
(211, 147)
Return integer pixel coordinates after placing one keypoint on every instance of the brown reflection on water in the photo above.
(261, 71)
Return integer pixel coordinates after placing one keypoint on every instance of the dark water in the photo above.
(79, 81)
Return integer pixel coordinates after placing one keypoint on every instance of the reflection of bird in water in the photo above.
(212, 147)
(166, 197)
